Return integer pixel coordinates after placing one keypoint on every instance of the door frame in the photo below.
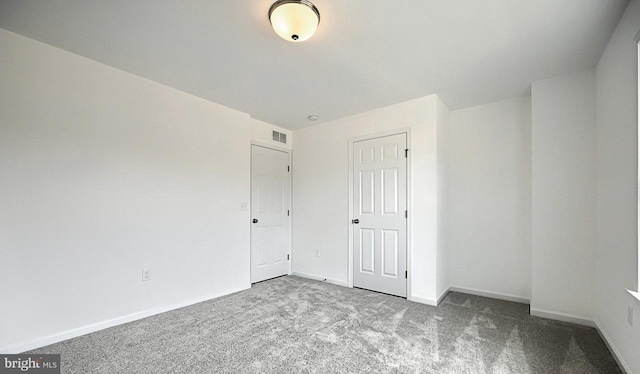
(289, 156)
(398, 131)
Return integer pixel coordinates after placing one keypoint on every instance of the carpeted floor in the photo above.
(295, 325)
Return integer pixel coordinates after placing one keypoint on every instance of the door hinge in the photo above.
(406, 274)
(287, 257)
(406, 153)
(288, 168)
(287, 212)
(406, 214)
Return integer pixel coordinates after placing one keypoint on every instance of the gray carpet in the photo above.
(294, 325)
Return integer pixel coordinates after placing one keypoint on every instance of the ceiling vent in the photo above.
(280, 137)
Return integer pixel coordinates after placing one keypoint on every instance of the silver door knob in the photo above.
(355, 221)
(254, 220)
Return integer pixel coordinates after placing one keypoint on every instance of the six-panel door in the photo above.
(269, 207)
(380, 203)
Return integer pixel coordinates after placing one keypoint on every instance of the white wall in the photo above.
(442, 243)
(321, 184)
(262, 133)
(617, 249)
(103, 173)
(563, 195)
(489, 202)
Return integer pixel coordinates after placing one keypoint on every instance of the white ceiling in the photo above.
(365, 55)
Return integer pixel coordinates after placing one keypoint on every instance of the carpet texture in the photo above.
(295, 325)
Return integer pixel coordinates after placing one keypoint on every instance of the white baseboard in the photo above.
(319, 278)
(443, 295)
(493, 295)
(423, 300)
(612, 348)
(74, 333)
(428, 301)
(565, 317)
(416, 299)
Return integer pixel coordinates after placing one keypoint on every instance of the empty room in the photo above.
(295, 186)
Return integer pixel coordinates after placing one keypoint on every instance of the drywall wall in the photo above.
(617, 246)
(564, 196)
(321, 188)
(442, 240)
(262, 133)
(489, 201)
(102, 174)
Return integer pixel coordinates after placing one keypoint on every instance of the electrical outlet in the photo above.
(317, 253)
(243, 206)
(146, 275)
(630, 315)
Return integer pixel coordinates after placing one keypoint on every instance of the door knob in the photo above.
(355, 221)
(254, 220)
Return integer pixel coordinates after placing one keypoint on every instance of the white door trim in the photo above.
(288, 152)
(403, 130)
(272, 146)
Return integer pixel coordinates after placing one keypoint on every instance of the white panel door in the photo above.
(269, 213)
(379, 221)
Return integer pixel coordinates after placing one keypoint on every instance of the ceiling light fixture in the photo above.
(312, 117)
(294, 20)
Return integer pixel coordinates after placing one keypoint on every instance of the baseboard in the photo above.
(493, 295)
(74, 333)
(443, 295)
(319, 278)
(565, 317)
(612, 348)
(416, 299)
(423, 300)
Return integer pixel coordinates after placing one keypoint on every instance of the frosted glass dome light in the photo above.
(294, 20)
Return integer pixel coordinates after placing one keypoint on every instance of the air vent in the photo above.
(280, 137)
